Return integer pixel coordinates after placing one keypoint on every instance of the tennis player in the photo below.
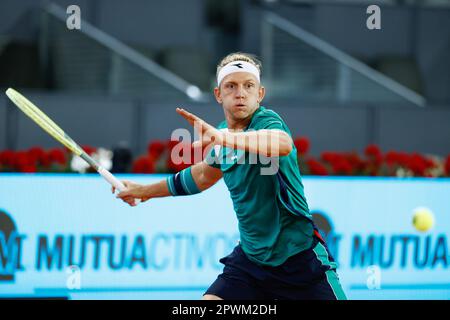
(280, 254)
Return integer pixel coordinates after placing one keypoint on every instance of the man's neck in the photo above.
(238, 124)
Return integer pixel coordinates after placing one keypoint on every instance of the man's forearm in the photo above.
(266, 142)
(157, 190)
(186, 182)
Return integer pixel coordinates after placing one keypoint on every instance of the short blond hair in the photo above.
(240, 56)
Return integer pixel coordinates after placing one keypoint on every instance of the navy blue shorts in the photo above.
(308, 275)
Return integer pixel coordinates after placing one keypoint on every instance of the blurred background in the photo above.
(359, 102)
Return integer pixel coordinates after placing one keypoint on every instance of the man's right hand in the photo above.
(133, 191)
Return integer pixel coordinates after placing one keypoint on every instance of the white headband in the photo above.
(237, 66)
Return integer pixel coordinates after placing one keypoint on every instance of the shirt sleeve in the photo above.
(272, 122)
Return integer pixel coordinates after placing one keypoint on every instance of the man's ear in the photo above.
(217, 95)
(262, 93)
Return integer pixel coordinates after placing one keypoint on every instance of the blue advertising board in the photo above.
(68, 236)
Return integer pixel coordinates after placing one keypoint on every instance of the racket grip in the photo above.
(116, 183)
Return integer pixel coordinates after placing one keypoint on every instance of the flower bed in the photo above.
(373, 162)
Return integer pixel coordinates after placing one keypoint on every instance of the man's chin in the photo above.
(240, 114)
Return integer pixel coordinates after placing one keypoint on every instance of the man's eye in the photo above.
(250, 85)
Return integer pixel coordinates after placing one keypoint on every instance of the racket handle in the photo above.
(116, 183)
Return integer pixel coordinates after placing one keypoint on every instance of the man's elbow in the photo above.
(285, 145)
(206, 182)
(283, 148)
(285, 151)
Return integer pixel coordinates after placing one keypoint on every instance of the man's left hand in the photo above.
(208, 134)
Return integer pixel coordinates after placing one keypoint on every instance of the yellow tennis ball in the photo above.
(423, 219)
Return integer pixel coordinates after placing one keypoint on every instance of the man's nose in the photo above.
(240, 92)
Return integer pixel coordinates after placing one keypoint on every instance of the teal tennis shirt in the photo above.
(268, 196)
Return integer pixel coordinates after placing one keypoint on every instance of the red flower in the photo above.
(28, 168)
(21, 160)
(391, 158)
(372, 150)
(316, 168)
(39, 156)
(447, 165)
(7, 158)
(403, 159)
(373, 171)
(418, 164)
(330, 157)
(355, 161)
(374, 155)
(177, 160)
(57, 156)
(45, 160)
(144, 164)
(342, 166)
(176, 167)
(156, 148)
(89, 150)
(171, 144)
(429, 163)
(302, 145)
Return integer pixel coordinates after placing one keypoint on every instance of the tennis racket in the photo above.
(41, 119)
